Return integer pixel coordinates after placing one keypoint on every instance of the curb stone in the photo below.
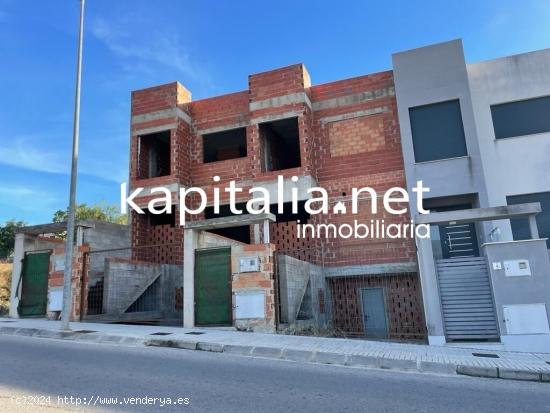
(214, 347)
(8, 330)
(399, 364)
(297, 355)
(353, 360)
(324, 357)
(362, 361)
(235, 349)
(186, 345)
(519, 375)
(26, 331)
(477, 371)
(270, 352)
(439, 368)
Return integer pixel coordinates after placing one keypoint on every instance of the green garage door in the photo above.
(34, 291)
(213, 287)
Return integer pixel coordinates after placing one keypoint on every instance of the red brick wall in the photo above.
(360, 151)
(355, 152)
(402, 301)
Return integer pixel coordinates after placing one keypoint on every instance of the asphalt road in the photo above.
(33, 369)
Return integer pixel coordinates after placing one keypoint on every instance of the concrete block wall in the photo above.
(293, 279)
(126, 280)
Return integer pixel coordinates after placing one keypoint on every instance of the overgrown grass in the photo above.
(5, 282)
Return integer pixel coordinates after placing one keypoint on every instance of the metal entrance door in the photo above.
(213, 287)
(458, 241)
(375, 321)
(467, 299)
(34, 291)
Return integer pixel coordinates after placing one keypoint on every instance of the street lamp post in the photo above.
(69, 244)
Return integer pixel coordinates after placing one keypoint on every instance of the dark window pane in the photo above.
(437, 131)
(280, 144)
(520, 227)
(521, 118)
(220, 146)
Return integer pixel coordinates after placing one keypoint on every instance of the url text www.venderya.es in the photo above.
(96, 400)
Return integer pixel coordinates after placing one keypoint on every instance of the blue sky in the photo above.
(210, 47)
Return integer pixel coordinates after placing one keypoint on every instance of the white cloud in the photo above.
(26, 198)
(161, 47)
(26, 154)
(23, 154)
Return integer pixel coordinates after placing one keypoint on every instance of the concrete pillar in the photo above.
(533, 227)
(256, 233)
(190, 243)
(79, 236)
(18, 256)
(266, 231)
(430, 292)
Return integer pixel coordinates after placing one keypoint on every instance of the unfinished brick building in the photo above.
(338, 136)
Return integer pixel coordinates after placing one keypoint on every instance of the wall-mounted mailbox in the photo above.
(517, 268)
(249, 264)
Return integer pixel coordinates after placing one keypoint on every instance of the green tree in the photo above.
(100, 212)
(7, 237)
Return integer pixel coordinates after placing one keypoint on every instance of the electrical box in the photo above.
(517, 268)
(497, 265)
(250, 305)
(55, 299)
(526, 318)
(59, 262)
(249, 264)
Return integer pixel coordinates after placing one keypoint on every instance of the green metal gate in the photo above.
(213, 287)
(34, 291)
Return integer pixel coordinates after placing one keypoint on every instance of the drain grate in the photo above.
(488, 355)
(85, 331)
(160, 333)
(195, 333)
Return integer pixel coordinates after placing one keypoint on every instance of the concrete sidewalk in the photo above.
(357, 353)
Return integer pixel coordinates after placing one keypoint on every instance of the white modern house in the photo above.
(478, 135)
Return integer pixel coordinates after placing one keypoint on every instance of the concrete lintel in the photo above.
(354, 98)
(154, 129)
(172, 187)
(180, 114)
(277, 101)
(353, 115)
(520, 241)
(222, 128)
(480, 214)
(372, 269)
(53, 227)
(162, 114)
(227, 222)
(279, 116)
